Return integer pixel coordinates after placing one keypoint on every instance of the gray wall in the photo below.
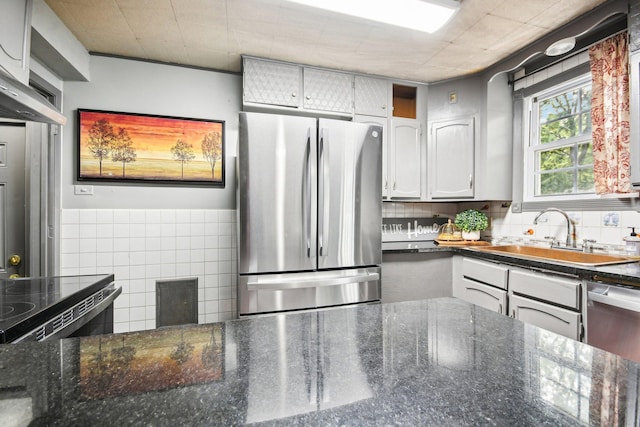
(469, 93)
(141, 87)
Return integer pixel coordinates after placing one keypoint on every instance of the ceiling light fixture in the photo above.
(561, 47)
(421, 15)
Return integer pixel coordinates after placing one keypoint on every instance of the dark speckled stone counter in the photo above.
(433, 362)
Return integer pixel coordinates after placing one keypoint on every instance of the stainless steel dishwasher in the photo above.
(613, 319)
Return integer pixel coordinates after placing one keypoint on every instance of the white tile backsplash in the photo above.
(597, 225)
(140, 246)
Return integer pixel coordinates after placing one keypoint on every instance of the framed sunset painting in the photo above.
(129, 147)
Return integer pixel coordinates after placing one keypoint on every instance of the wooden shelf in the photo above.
(404, 101)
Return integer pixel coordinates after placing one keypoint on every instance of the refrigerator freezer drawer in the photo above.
(295, 291)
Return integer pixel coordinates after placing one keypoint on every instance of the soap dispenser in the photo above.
(632, 245)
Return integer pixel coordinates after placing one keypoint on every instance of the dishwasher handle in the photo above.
(614, 302)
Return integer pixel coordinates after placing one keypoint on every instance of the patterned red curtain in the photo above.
(609, 61)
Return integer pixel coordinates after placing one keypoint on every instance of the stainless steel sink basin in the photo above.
(556, 255)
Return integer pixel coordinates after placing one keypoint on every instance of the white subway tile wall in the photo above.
(417, 210)
(141, 246)
(606, 227)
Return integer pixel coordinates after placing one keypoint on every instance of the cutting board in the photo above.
(462, 243)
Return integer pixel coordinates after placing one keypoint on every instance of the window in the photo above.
(560, 372)
(559, 156)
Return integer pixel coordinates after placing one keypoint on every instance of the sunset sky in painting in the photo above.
(152, 136)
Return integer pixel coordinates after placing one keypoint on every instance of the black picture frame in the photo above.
(123, 147)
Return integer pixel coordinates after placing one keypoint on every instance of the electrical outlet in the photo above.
(83, 190)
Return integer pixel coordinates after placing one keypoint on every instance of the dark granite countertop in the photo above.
(432, 362)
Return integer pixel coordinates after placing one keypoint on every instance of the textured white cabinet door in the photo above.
(451, 154)
(404, 159)
(372, 96)
(328, 90)
(272, 83)
(555, 319)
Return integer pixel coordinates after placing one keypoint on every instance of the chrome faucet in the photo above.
(571, 227)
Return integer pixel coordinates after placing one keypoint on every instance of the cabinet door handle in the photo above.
(470, 182)
(394, 185)
(500, 308)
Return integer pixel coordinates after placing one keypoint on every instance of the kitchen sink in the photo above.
(556, 255)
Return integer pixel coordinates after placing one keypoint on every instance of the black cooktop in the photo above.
(28, 302)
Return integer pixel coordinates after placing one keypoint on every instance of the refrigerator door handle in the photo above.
(321, 195)
(310, 282)
(307, 197)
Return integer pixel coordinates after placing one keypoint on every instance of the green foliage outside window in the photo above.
(565, 169)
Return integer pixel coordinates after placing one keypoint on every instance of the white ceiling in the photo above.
(214, 33)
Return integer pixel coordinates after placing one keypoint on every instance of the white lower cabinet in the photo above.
(481, 283)
(491, 298)
(549, 301)
(546, 316)
(554, 289)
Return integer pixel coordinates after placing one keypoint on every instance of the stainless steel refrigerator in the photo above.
(309, 212)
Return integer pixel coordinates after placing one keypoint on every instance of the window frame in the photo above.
(531, 146)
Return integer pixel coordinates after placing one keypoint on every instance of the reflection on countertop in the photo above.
(431, 362)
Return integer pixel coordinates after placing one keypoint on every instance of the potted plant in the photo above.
(471, 222)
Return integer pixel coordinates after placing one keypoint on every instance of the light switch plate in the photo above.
(83, 190)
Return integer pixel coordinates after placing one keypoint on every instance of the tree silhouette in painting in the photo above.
(123, 150)
(183, 351)
(183, 153)
(101, 137)
(212, 149)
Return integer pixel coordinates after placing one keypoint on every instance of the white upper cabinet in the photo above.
(15, 38)
(328, 91)
(271, 83)
(451, 158)
(268, 83)
(404, 159)
(372, 96)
